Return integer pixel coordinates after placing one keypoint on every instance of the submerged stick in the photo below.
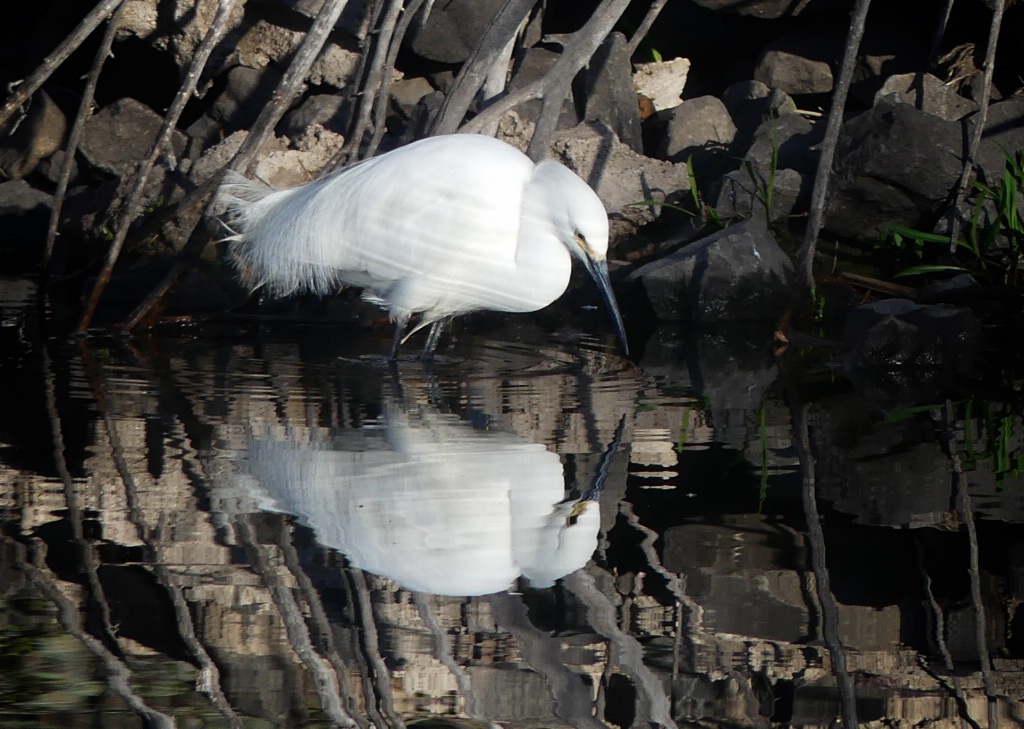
(217, 30)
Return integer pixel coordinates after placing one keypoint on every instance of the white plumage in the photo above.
(440, 227)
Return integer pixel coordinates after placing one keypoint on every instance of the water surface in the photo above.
(268, 527)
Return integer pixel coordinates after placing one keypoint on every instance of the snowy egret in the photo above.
(440, 227)
(427, 500)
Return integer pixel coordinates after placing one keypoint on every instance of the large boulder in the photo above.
(927, 93)
(894, 165)
(736, 274)
(120, 135)
(623, 179)
(700, 130)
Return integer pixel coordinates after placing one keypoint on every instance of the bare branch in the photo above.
(979, 121)
(805, 256)
(84, 112)
(479, 64)
(50, 64)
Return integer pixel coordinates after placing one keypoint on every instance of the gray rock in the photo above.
(246, 92)
(770, 9)
(620, 176)
(452, 30)
(50, 168)
(530, 66)
(39, 133)
(24, 214)
(406, 93)
(786, 142)
(736, 274)
(751, 103)
(700, 129)
(796, 65)
(323, 109)
(894, 165)
(120, 135)
(741, 194)
(608, 95)
(928, 94)
(1004, 133)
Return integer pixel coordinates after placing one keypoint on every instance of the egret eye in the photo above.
(581, 240)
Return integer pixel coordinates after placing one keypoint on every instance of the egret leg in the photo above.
(433, 337)
(400, 325)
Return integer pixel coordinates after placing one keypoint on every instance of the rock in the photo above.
(452, 30)
(620, 176)
(49, 168)
(742, 194)
(407, 93)
(1004, 133)
(301, 163)
(894, 165)
(751, 103)
(39, 133)
(699, 129)
(120, 135)
(928, 94)
(607, 92)
(24, 215)
(531, 66)
(179, 27)
(662, 82)
(327, 110)
(901, 334)
(246, 91)
(736, 274)
(774, 8)
(787, 142)
(797, 64)
(264, 43)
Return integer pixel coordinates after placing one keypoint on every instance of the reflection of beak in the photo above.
(599, 270)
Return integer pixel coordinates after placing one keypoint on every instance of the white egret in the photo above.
(440, 227)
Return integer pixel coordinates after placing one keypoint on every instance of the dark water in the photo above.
(209, 529)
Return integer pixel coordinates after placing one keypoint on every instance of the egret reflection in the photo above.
(425, 499)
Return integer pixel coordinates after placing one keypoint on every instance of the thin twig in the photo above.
(384, 93)
(979, 122)
(805, 256)
(940, 33)
(50, 64)
(963, 503)
(161, 143)
(84, 112)
(645, 26)
(479, 64)
(574, 57)
(554, 86)
(822, 581)
(378, 80)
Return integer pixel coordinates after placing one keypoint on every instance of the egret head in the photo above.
(581, 223)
